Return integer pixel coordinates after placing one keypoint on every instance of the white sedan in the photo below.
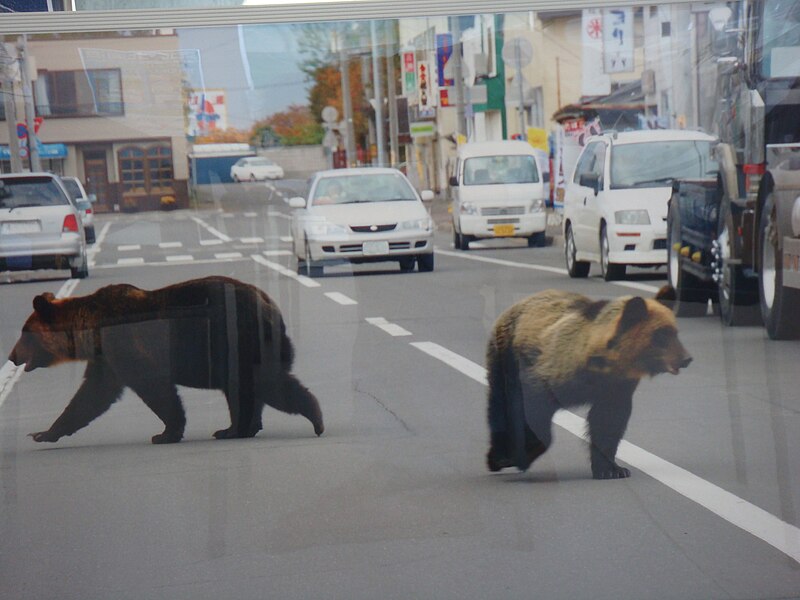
(361, 215)
(255, 168)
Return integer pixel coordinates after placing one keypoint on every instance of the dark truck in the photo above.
(734, 238)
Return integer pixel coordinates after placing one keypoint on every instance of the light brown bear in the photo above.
(212, 333)
(560, 349)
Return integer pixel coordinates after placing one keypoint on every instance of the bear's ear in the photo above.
(43, 304)
(667, 296)
(635, 312)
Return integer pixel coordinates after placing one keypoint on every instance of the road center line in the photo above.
(306, 281)
(748, 517)
(211, 230)
(390, 328)
(340, 298)
(508, 263)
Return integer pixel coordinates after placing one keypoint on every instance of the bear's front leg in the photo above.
(608, 419)
(99, 390)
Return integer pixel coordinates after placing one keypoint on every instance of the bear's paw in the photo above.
(611, 472)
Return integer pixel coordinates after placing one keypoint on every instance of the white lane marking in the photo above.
(215, 232)
(340, 298)
(211, 242)
(102, 235)
(286, 238)
(752, 519)
(130, 261)
(180, 258)
(250, 215)
(545, 268)
(390, 328)
(129, 247)
(9, 372)
(171, 245)
(306, 281)
(252, 240)
(223, 255)
(95, 249)
(277, 253)
(208, 261)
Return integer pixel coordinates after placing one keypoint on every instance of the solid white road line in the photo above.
(67, 289)
(748, 517)
(390, 328)
(340, 298)
(518, 265)
(215, 232)
(302, 279)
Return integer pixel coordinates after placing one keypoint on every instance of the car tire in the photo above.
(738, 296)
(575, 268)
(609, 271)
(425, 263)
(407, 264)
(456, 239)
(89, 235)
(82, 270)
(537, 240)
(253, 177)
(235, 178)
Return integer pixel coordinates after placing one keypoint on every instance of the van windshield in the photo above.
(488, 170)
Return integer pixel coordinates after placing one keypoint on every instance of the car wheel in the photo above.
(235, 178)
(407, 264)
(253, 177)
(537, 240)
(575, 268)
(738, 295)
(90, 235)
(308, 268)
(425, 263)
(456, 239)
(691, 293)
(609, 271)
(82, 270)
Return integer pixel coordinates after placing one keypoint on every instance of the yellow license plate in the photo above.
(503, 230)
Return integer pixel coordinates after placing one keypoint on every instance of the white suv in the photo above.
(615, 205)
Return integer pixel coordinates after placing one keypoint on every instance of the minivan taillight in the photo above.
(70, 224)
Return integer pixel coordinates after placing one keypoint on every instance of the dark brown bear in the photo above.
(212, 333)
(558, 350)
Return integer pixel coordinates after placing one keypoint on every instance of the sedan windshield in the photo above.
(350, 189)
(656, 164)
(31, 192)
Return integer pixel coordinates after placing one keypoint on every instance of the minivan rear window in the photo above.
(488, 170)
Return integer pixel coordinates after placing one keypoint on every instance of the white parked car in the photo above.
(615, 204)
(255, 168)
(84, 203)
(361, 215)
(498, 190)
(40, 226)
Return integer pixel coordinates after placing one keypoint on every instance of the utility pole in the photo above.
(10, 105)
(378, 93)
(27, 92)
(458, 75)
(347, 101)
(391, 95)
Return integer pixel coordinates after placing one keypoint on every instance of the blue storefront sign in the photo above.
(45, 151)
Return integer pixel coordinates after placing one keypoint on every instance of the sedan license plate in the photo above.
(503, 230)
(373, 248)
(12, 227)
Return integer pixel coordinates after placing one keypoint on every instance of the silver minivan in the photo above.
(497, 190)
(40, 225)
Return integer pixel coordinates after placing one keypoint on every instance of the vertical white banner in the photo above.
(595, 82)
(618, 40)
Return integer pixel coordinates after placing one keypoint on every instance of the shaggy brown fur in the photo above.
(212, 333)
(560, 349)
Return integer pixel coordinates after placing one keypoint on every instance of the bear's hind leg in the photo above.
(290, 396)
(608, 420)
(99, 390)
(162, 398)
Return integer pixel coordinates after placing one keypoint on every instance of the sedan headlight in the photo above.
(632, 217)
(417, 224)
(468, 208)
(324, 228)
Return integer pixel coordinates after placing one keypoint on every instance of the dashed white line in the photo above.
(130, 261)
(286, 238)
(129, 247)
(215, 232)
(170, 245)
(748, 517)
(180, 258)
(224, 255)
(252, 240)
(211, 242)
(390, 328)
(340, 298)
(276, 252)
(302, 279)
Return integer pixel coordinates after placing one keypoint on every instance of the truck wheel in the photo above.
(691, 292)
(575, 268)
(737, 294)
(780, 305)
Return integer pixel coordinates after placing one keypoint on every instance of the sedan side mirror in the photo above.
(590, 180)
(92, 197)
(427, 195)
(453, 181)
(297, 202)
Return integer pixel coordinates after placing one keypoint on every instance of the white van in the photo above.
(497, 190)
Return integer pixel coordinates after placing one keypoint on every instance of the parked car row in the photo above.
(41, 225)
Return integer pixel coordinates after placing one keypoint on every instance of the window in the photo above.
(146, 170)
(94, 92)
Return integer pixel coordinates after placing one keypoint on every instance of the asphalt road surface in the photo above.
(394, 500)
